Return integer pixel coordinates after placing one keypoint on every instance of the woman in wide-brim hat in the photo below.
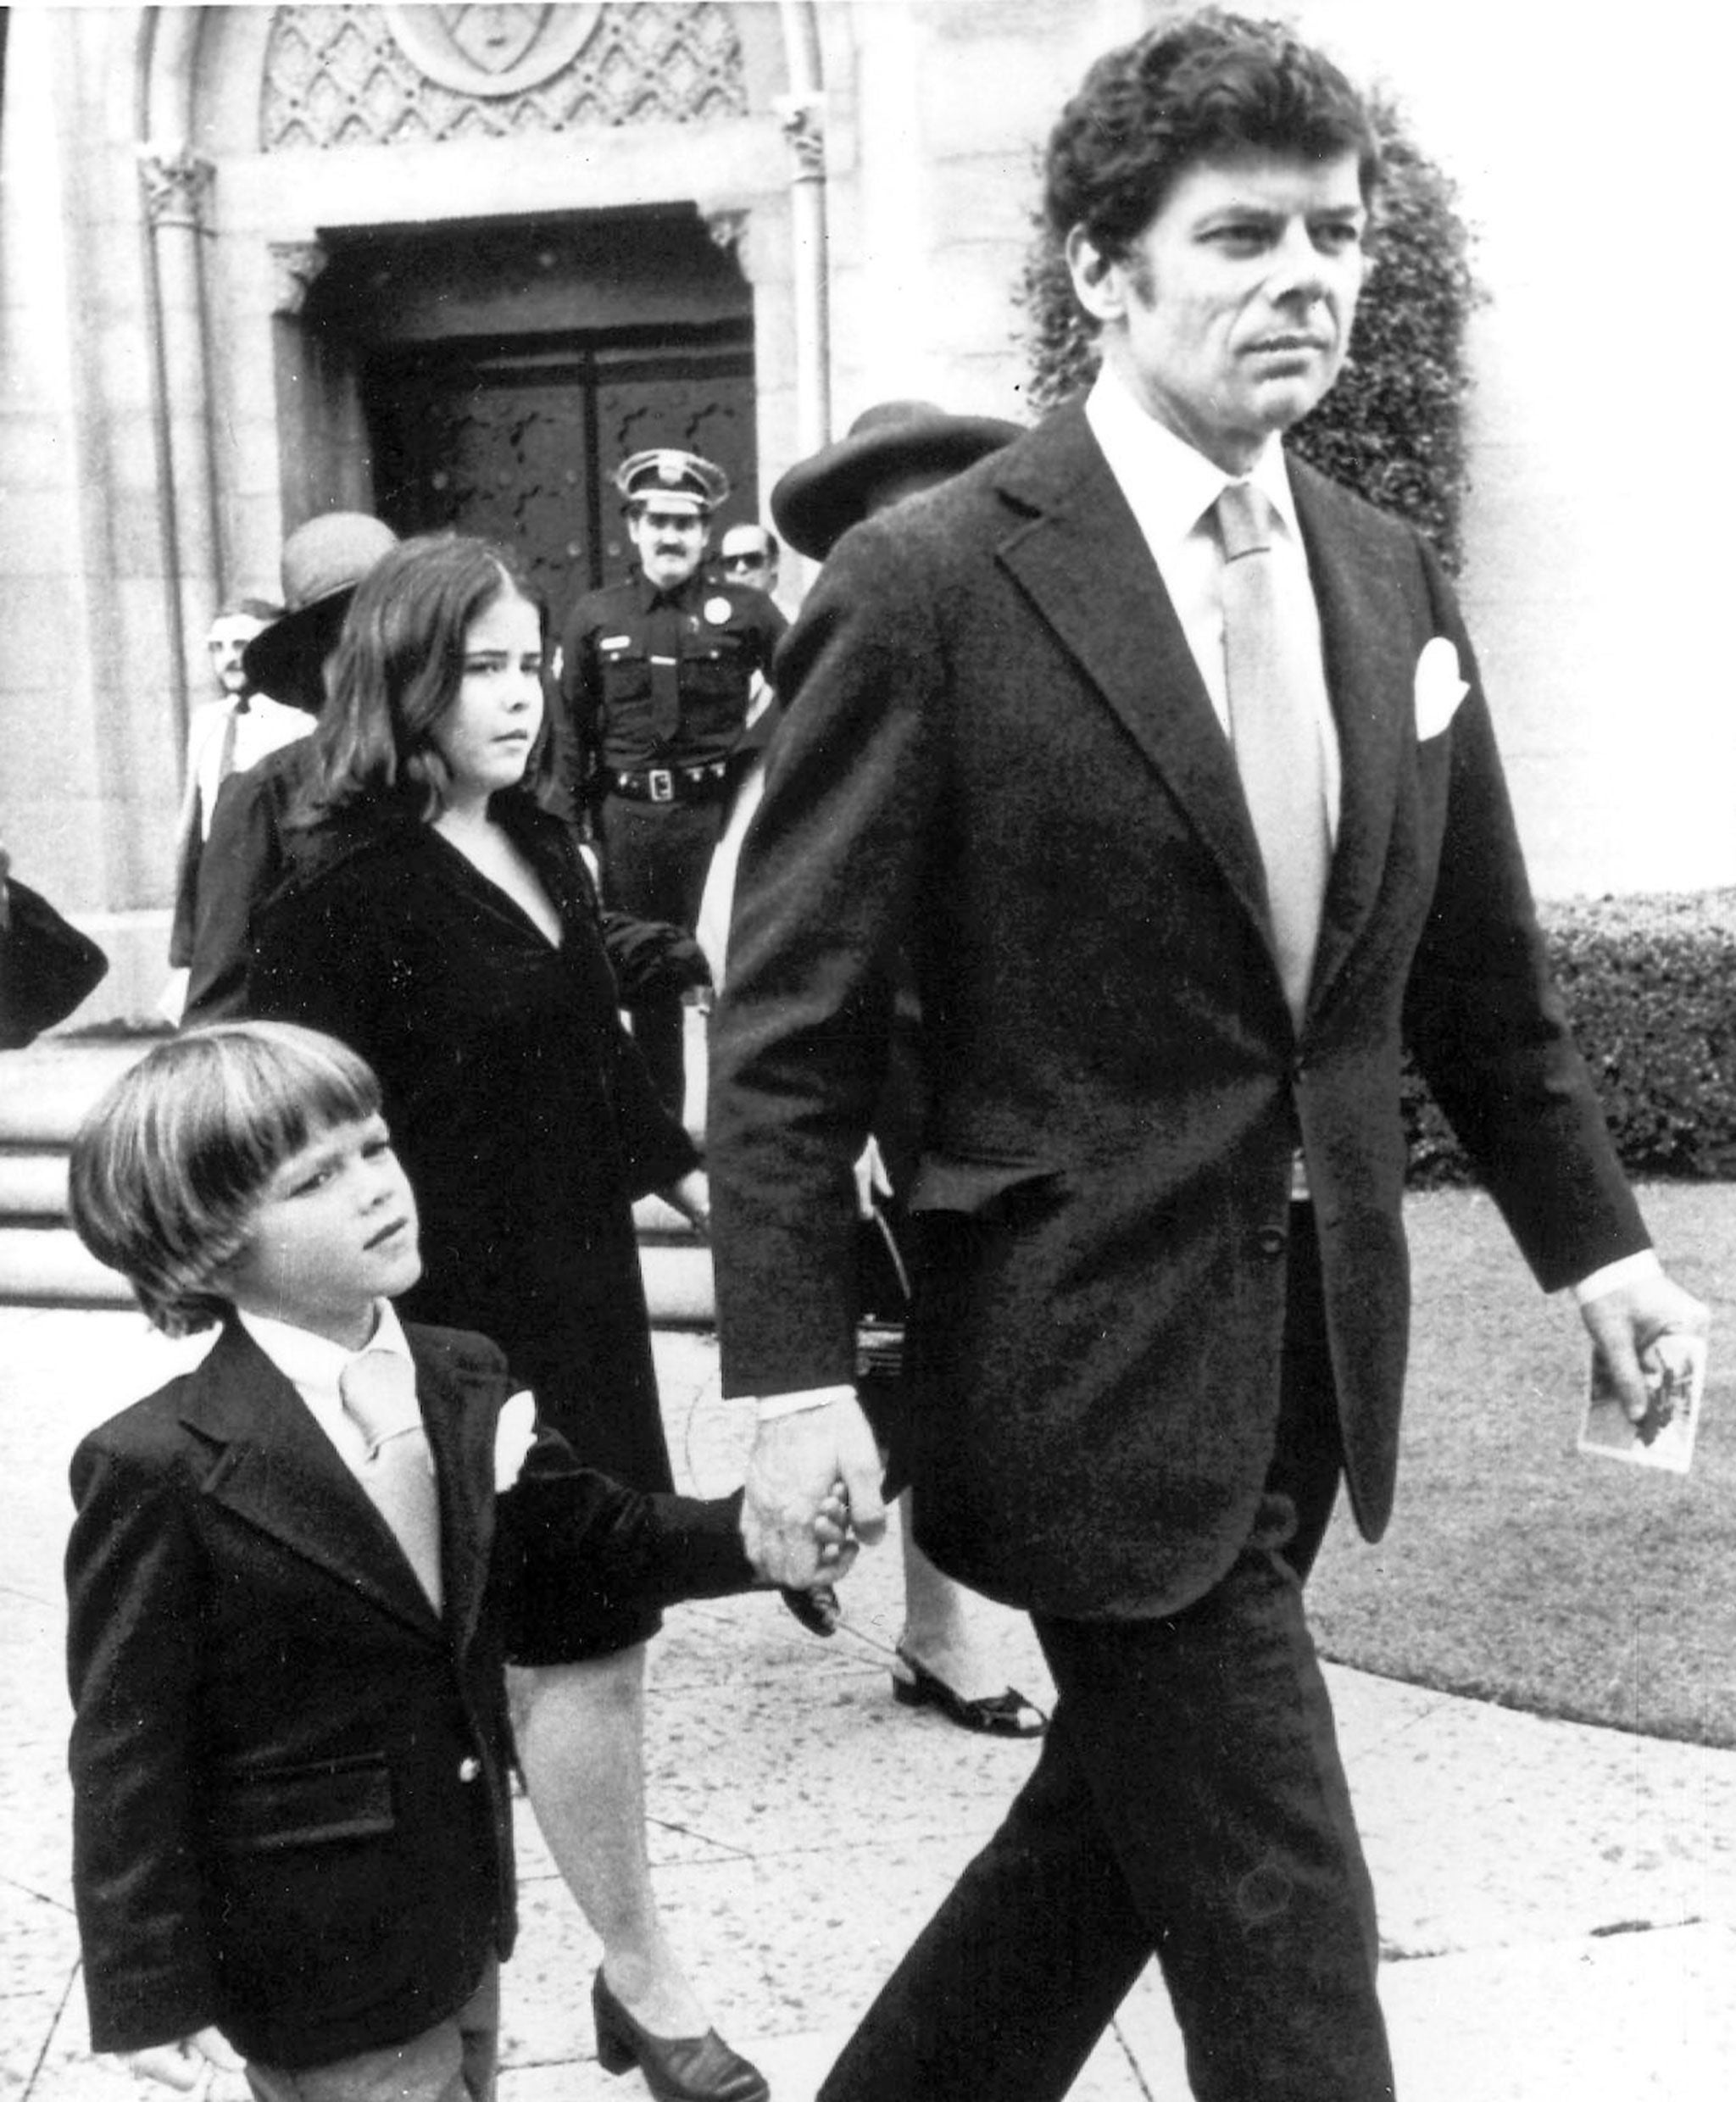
(251, 844)
(323, 561)
(893, 451)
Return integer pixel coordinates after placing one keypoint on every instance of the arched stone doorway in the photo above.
(463, 257)
(204, 169)
(503, 371)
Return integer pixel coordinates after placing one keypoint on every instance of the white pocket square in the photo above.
(1440, 689)
(515, 1434)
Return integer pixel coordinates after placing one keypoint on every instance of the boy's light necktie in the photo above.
(1276, 736)
(379, 1393)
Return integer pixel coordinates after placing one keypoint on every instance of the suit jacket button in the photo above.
(1271, 1240)
(469, 1769)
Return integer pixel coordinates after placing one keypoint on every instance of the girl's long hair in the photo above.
(396, 673)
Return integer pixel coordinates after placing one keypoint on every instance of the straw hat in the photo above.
(323, 562)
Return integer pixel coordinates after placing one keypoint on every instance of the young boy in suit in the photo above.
(294, 1579)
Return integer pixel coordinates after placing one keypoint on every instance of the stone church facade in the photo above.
(449, 263)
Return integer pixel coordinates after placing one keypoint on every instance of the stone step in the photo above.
(48, 1266)
(32, 1187)
(46, 1090)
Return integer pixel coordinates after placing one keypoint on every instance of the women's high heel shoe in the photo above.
(1000, 1714)
(676, 2069)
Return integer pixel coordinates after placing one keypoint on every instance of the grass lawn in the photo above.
(1517, 1569)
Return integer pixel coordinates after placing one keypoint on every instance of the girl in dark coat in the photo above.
(446, 927)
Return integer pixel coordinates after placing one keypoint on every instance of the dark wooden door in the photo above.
(517, 441)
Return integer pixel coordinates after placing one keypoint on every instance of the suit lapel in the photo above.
(1371, 646)
(1081, 560)
(1084, 564)
(277, 1470)
(459, 1411)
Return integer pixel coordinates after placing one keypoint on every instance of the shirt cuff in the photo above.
(768, 1408)
(1636, 1269)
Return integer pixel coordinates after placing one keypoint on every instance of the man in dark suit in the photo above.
(1167, 763)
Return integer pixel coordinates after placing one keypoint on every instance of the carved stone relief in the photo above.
(356, 75)
(803, 117)
(177, 186)
(297, 267)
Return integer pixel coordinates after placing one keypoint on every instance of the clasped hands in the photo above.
(813, 1482)
(813, 1494)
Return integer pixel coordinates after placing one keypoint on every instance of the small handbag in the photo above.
(46, 967)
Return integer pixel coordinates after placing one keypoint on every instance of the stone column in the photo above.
(177, 191)
(803, 119)
(802, 113)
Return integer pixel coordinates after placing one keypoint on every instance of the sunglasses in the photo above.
(744, 561)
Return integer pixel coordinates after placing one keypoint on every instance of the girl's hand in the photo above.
(873, 1183)
(189, 2064)
(832, 1534)
(692, 1198)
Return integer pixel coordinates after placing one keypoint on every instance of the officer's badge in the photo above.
(718, 612)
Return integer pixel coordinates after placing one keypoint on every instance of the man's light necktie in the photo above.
(1276, 736)
(226, 744)
(379, 1393)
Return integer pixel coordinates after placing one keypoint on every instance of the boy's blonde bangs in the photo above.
(168, 1169)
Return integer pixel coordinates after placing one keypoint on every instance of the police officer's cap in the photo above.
(671, 477)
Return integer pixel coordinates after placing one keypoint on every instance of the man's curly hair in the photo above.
(1213, 84)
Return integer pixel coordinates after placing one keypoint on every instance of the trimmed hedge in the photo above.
(1391, 429)
(1650, 986)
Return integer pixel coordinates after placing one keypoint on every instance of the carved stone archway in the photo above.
(356, 74)
(364, 101)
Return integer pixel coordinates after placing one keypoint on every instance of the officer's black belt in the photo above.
(673, 784)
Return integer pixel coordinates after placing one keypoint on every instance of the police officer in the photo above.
(660, 675)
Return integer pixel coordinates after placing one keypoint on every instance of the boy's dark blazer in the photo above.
(292, 1814)
(998, 755)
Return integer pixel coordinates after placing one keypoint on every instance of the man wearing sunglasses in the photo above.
(748, 554)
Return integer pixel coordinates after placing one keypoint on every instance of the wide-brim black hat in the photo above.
(817, 501)
(323, 562)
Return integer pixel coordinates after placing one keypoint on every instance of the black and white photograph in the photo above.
(867, 1014)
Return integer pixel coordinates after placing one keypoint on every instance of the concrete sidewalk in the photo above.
(1558, 1903)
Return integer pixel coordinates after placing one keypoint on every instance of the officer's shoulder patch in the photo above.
(719, 610)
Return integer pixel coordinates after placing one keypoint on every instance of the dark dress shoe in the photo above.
(676, 2069)
(818, 1610)
(1001, 1715)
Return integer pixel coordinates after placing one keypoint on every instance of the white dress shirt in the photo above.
(262, 726)
(1171, 490)
(313, 1367)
